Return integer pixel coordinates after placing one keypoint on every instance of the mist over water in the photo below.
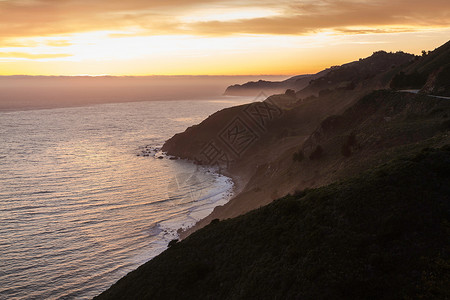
(36, 92)
(79, 209)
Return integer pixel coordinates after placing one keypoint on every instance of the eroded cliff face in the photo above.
(239, 140)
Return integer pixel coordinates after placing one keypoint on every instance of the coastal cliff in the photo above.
(342, 192)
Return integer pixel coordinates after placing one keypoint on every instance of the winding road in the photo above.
(417, 91)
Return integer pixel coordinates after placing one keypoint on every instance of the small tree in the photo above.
(290, 93)
(349, 144)
(298, 156)
(317, 153)
(345, 150)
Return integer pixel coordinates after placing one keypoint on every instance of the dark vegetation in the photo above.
(349, 144)
(317, 153)
(298, 156)
(442, 85)
(173, 243)
(381, 235)
(414, 80)
(290, 93)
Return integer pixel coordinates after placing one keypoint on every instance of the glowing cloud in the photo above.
(209, 37)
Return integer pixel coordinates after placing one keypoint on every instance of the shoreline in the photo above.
(231, 193)
(238, 187)
(222, 192)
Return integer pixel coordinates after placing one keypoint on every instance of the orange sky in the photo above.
(147, 37)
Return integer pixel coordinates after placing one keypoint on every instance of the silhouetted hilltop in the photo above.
(374, 71)
(347, 76)
(380, 235)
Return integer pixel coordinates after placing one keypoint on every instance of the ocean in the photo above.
(81, 204)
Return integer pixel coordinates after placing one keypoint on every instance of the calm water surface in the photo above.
(79, 209)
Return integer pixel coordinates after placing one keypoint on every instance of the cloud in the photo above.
(48, 17)
(32, 56)
(59, 43)
(340, 16)
(24, 18)
(5, 43)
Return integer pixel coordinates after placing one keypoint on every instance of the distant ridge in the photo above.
(253, 88)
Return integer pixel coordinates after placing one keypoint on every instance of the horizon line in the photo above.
(154, 75)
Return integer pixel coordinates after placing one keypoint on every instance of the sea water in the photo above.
(80, 208)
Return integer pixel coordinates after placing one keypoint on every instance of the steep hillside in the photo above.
(373, 72)
(378, 126)
(430, 73)
(285, 116)
(432, 60)
(241, 138)
(381, 235)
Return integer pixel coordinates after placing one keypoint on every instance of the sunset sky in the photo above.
(192, 37)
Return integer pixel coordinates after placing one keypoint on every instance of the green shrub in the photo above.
(413, 80)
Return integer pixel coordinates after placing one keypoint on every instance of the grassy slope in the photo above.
(382, 235)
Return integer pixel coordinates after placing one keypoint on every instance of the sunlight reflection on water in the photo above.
(78, 208)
